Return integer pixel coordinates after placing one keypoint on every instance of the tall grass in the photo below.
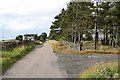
(60, 47)
(9, 57)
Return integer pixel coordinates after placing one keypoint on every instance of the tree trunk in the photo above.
(118, 36)
(106, 39)
(103, 41)
(111, 37)
(96, 32)
(80, 41)
(96, 37)
(75, 36)
(81, 44)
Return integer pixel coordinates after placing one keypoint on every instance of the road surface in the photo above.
(43, 63)
(39, 63)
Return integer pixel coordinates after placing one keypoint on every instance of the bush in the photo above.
(108, 70)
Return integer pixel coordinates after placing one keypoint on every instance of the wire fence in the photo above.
(71, 44)
(76, 46)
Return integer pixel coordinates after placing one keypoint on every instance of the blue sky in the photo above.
(27, 16)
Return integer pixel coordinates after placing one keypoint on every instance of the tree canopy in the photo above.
(84, 18)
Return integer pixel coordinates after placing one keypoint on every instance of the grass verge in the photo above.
(59, 47)
(10, 57)
(102, 70)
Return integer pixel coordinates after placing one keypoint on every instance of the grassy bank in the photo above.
(102, 70)
(12, 56)
(59, 47)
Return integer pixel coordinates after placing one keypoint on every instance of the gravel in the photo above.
(74, 64)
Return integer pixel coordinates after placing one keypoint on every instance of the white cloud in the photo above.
(19, 15)
(18, 26)
(28, 6)
(34, 23)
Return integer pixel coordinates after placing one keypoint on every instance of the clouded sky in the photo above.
(27, 16)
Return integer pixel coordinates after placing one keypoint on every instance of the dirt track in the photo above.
(43, 63)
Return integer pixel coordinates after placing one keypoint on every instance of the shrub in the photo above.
(108, 70)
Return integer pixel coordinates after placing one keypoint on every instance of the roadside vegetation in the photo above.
(40, 39)
(13, 50)
(59, 47)
(9, 57)
(102, 70)
(90, 26)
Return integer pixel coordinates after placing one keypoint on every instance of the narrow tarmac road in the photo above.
(43, 63)
(39, 63)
